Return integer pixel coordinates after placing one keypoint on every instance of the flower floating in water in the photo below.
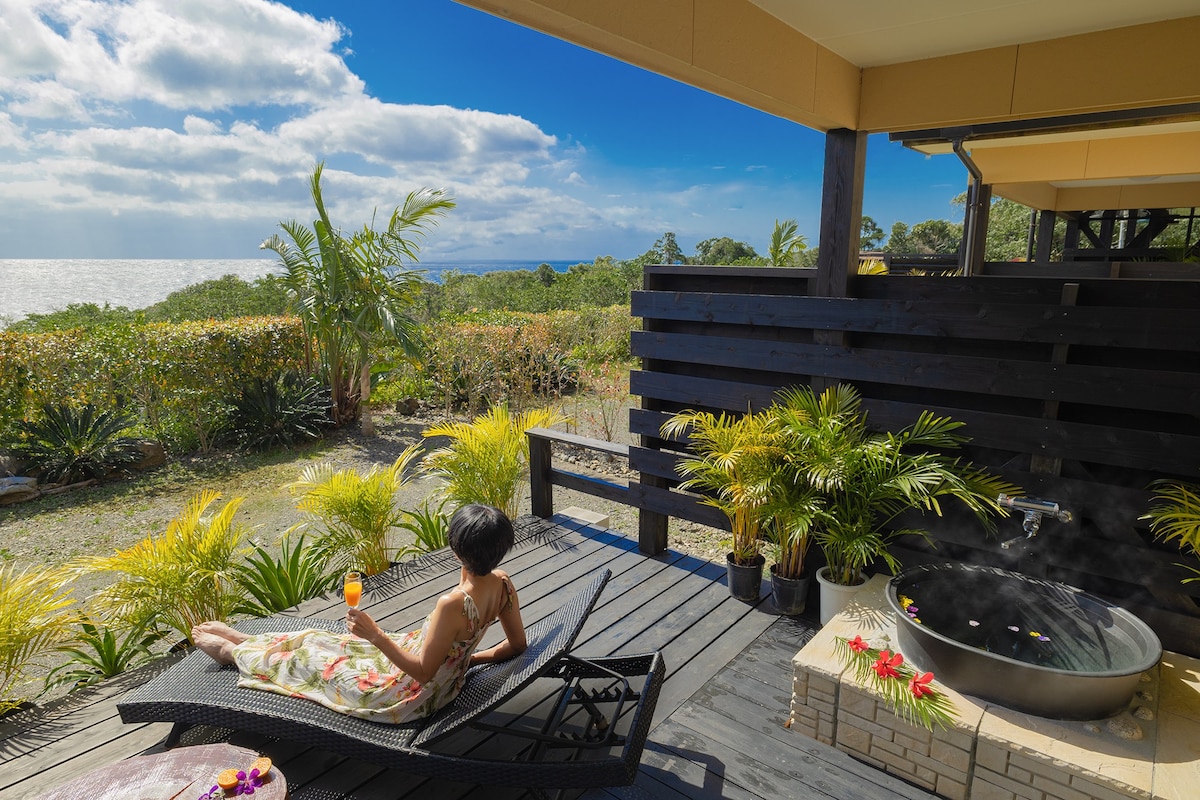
(905, 602)
(857, 644)
(885, 666)
(1042, 638)
(918, 684)
(1013, 628)
(973, 623)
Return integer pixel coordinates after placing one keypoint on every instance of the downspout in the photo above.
(970, 231)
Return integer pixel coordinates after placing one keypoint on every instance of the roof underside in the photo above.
(940, 66)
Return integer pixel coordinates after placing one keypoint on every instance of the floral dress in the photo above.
(350, 675)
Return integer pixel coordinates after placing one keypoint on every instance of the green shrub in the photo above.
(354, 513)
(67, 444)
(279, 411)
(486, 460)
(275, 583)
(34, 620)
(430, 528)
(98, 653)
(174, 378)
(183, 577)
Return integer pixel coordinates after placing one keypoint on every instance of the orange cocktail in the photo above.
(352, 588)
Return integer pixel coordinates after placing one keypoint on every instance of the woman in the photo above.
(384, 677)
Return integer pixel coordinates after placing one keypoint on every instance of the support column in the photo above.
(980, 214)
(841, 225)
(1045, 237)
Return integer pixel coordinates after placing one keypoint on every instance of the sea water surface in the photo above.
(39, 286)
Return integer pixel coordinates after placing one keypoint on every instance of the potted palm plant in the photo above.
(857, 482)
(734, 460)
(1175, 515)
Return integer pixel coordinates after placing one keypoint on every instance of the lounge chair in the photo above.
(578, 736)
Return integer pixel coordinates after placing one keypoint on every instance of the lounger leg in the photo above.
(177, 731)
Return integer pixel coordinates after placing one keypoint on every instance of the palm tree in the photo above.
(1175, 516)
(786, 243)
(353, 290)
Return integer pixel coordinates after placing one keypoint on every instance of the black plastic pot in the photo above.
(745, 582)
(791, 594)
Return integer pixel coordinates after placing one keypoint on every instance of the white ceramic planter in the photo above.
(834, 596)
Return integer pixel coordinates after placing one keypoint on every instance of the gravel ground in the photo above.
(103, 519)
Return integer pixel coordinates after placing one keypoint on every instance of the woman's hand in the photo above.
(359, 623)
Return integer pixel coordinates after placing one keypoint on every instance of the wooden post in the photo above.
(541, 491)
(841, 225)
(979, 226)
(1045, 237)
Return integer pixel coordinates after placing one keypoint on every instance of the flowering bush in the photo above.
(909, 692)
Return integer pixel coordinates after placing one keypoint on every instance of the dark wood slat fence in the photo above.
(1079, 389)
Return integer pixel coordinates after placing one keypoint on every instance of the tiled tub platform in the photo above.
(1151, 751)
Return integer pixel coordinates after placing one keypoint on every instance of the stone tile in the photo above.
(1177, 762)
(865, 615)
(982, 790)
(1101, 792)
(950, 788)
(1018, 789)
(1096, 755)
(1058, 791)
(1179, 686)
(954, 758)
(592, 518)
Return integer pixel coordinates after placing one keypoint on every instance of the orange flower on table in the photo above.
(858, 645)
(918, 684)
(885, 667)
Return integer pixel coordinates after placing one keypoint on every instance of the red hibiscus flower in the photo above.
(918, 684)
(885, 667)
(857, 644)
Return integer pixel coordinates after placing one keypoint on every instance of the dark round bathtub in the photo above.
(1036, 646)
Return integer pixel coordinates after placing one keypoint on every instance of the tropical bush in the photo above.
(182, 577)
(1175, 517)
(98, 652)
(34, 619)
(353, 514)
(487, 459)
(275, 583)
(66, 444)
(353, 291)
(279, 411)
(430, 528)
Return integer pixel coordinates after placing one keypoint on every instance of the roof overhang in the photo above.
(882, 66)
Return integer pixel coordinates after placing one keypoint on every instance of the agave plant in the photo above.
(68, 444)
(182, 577)
(34, 619)
(487, 459)
(735, 460)
(279, 412)
(354, 513)
(1175, 516)
(275, 583)
(98, 652)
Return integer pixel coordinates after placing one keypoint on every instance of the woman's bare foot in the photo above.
(222, 630)
(219, 648)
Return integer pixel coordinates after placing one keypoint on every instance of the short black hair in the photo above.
(480, 536)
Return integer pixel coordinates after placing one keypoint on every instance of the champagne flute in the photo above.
(352, 588)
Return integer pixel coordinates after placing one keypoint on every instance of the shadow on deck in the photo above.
(718, 728)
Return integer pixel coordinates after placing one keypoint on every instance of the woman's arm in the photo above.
(421, 666)
(514, 630)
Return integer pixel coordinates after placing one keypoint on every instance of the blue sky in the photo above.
(180, 128)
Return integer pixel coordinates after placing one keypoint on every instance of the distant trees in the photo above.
(724, 250)
(930, 236)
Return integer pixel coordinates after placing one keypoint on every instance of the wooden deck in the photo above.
(718, 727)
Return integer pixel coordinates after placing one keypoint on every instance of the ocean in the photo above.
(41, 285)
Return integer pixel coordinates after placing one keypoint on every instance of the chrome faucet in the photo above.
(1034, 510)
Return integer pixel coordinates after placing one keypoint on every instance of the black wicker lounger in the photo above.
(587, 736)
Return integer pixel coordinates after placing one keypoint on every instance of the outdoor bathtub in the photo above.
(1032, 645)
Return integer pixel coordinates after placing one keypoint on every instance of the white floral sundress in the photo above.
(350, 675)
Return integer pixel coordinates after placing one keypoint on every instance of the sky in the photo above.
(188, 129)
